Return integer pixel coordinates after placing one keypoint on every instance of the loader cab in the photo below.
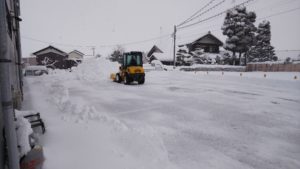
(132, 59)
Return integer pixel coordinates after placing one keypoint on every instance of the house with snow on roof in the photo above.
(156, 53)
(76, 55)
(208, 43)
(51, 55)
(55, 58)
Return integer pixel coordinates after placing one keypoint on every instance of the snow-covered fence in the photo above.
(208, 68)
(271, 67)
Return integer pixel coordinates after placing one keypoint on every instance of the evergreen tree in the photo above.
(240, 31)
(263, 50)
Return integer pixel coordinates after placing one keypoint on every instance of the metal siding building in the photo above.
(10, 81)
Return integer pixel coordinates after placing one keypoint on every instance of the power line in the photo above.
(208, 10)
(185, 36)
(138, 42)
(187, 20)
(100, 46)
(273, 5)
(212, 26)
(193, 35)
(214, 16)
(279, 13)
(48, 42)
(275, 14)
(221, 23)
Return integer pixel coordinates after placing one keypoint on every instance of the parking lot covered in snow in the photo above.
(175, 120)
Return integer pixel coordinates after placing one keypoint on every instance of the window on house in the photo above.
(206, 49)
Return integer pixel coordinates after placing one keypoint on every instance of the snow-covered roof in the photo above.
(50, 49)
(166, 47)
(208, 38)
(163, 56)
(205, 37)
(77, 52)
(154, 49)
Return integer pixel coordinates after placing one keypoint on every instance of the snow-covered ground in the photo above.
(176, 120)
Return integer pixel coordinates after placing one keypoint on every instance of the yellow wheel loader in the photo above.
(131, 69)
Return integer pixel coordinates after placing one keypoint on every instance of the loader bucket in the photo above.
(113, 76)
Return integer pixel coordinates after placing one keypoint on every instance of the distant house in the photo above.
(152, 51)
(76, 55)
(29, 61)
(51, 56)
(156, 53)
(209, 43)
(164, 58)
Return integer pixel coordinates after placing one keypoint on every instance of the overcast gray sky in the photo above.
(78, 24)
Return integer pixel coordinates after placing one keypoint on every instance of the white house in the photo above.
(76, 55)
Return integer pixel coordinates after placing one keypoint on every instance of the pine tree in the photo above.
(263, 50)
(240, 31)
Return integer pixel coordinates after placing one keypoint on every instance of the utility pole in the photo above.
(174, 50)
(160, 35)
(93, 48)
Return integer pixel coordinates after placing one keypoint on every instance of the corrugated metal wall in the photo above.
(273, 67)
(10, 64)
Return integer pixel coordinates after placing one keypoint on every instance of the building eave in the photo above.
(50, 47)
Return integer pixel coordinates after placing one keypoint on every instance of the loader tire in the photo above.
(126, 80)
(142, 81)
(118, 78)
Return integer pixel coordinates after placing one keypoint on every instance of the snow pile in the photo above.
(23, 131)
(91, 70)
(78, 110)
(96, 69)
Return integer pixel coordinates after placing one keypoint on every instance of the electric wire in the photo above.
(214, 16)
(99, 46)
(277, 4)
(163, 36)
(205, 6)
(279, 13)
(206, 11)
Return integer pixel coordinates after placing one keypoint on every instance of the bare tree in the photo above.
(117, 54)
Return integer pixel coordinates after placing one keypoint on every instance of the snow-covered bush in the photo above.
(157, 65)
(183, 56)
(198, 56)
(287, 60)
